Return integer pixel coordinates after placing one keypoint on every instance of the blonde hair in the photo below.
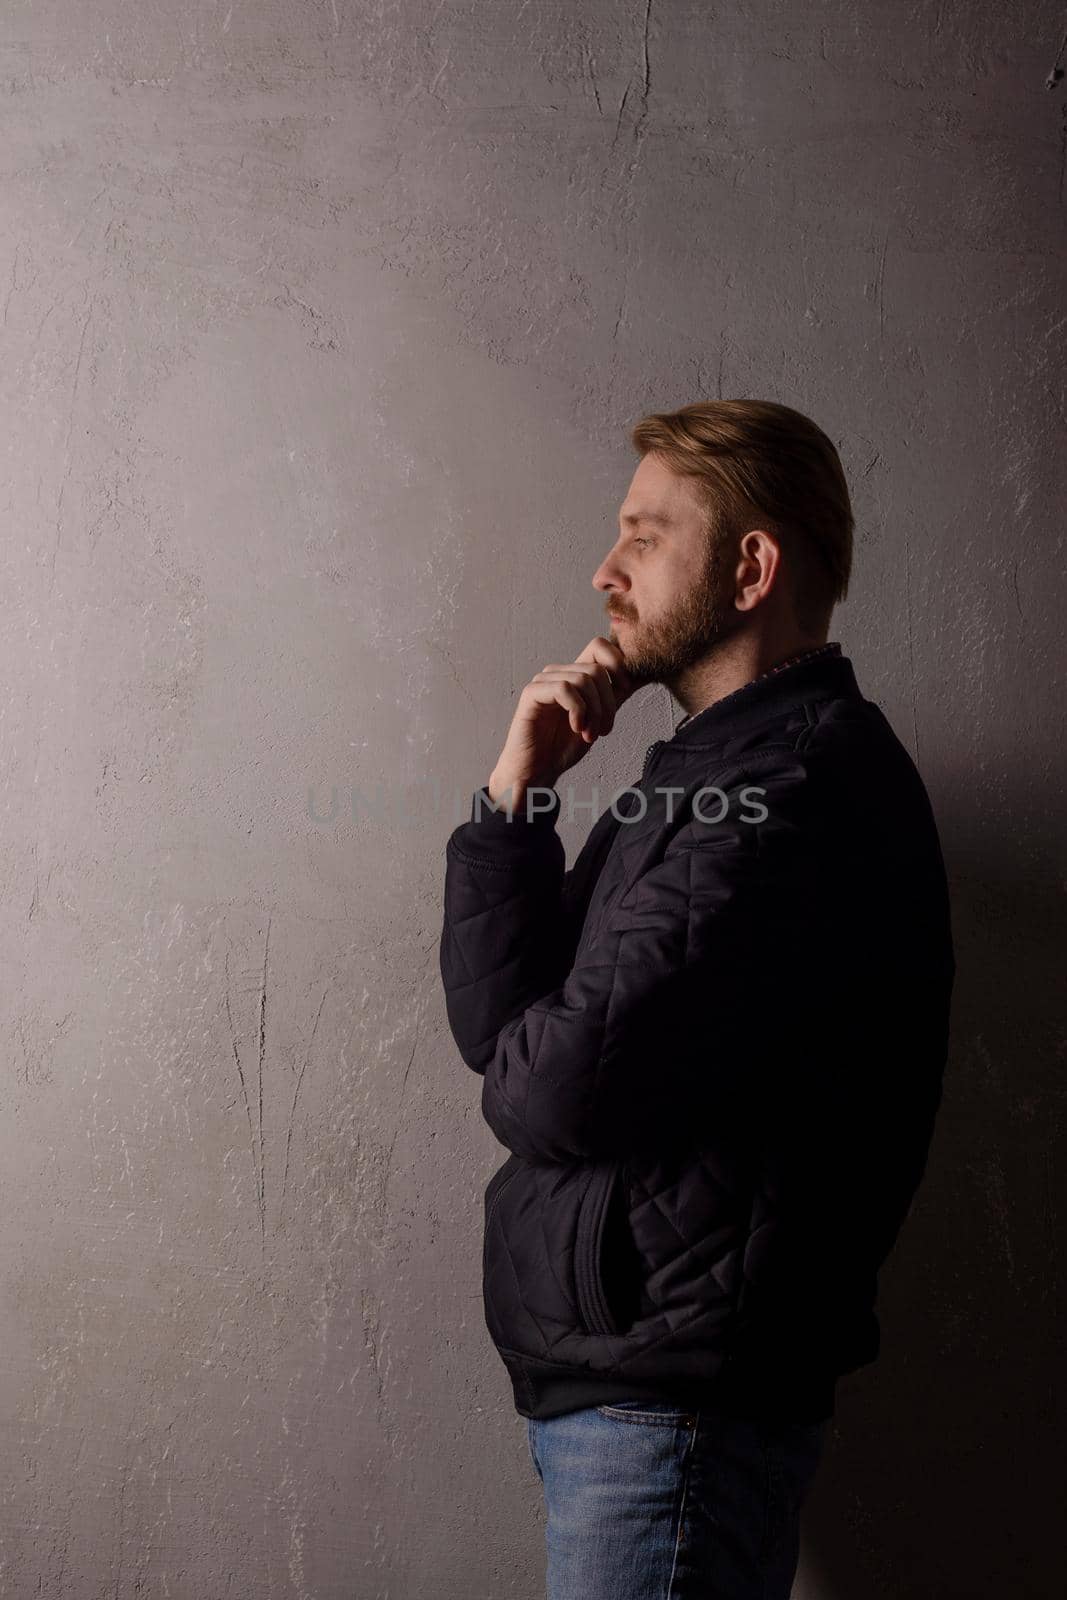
(762, 465)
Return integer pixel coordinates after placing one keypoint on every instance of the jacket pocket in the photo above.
(494, 1190)
(604, 1257)
(555, 1241)
(497, 1184)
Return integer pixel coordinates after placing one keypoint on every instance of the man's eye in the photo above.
(642, 541)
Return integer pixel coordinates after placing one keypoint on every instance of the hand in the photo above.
(561, 712)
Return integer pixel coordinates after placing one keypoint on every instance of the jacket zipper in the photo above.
(592, 1305)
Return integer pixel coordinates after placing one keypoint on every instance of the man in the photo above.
(714, 1048)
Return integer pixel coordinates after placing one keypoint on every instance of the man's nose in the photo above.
(610, 575)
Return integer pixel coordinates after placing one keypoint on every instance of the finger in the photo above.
(608, 654)
(608, 695)
(599, 677)
(609, 692)
(571, 697)
(584, 679)
(558, 691)
(591, 680)
(564, 691)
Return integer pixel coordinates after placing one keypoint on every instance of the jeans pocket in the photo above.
(531, 1446)
(664, 1412)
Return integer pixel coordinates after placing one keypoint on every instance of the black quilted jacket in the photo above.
(714, 1051)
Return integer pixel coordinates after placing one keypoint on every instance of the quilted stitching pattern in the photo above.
(716, 1012)
(669, 939)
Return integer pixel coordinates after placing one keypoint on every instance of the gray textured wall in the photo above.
(322, 325)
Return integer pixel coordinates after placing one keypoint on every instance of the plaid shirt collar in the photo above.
(833, 648)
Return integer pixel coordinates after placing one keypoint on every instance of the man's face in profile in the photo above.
(669, 585)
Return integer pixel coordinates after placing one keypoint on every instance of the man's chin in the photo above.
(640, 671)
(629, 655)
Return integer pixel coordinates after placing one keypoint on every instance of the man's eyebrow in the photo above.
(646, 516)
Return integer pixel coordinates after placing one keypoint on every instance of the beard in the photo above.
(659, 650)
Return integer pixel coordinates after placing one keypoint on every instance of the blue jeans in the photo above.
(647, 1501)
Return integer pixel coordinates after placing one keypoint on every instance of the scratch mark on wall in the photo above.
(262, 1053)
(435, 80)
(1056, 71)
(14, 279)
(398, 1121)
(618, 119)
(588, 54)
(400, 1104)
(296, 1092)
(321, 336)
(880, 289)
(36, 884)
(645, 77)
(371, 1322)
(241, 1076)
(88, 217)
(627, 213)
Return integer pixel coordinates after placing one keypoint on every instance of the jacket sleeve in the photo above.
(511, 920)
(653, 1024)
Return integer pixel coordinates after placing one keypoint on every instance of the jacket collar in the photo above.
(816, 677)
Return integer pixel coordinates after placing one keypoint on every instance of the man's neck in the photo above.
(733, 664)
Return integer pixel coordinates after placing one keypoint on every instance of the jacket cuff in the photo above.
(537, 814)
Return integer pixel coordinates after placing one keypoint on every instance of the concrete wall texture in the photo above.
(322, 327)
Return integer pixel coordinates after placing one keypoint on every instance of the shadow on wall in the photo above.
(943, 1474)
